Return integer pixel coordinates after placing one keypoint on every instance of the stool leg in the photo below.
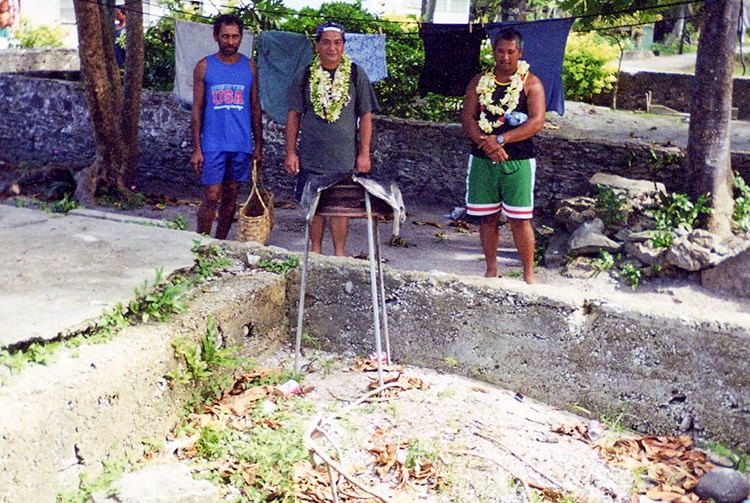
(384, 311)
(373, 284)
(301, 306)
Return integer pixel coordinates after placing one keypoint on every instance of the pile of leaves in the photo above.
(672, 467)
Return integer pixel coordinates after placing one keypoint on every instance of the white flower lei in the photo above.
(329, 97)
(486, 87)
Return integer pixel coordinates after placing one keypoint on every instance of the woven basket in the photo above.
(256, 215)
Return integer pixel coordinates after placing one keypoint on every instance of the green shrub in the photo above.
(741, 215)
(589, 66)
(31, 36)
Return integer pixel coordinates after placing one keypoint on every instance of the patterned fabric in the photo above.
(544, 49)
(368, 51)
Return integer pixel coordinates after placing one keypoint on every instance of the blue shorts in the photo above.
(226, 166)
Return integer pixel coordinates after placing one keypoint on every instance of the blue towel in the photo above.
(368, 51)
(544, 49)
(281, 55)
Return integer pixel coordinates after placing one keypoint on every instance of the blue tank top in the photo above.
(226, 118)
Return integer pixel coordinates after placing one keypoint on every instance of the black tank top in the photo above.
(517, 150)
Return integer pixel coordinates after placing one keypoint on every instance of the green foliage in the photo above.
(676, 211)
(280, 266)
(588, 67)
(741, 214)
(609, 206)
(160, 303)
(208, 260)
(661, 238)
(179, 223)
(739, 459)
(64, 205)
(122, 199)
(631, 273)
(32, 36)
(158, 55)
(604, 262)
(113, 471)
(202, 360)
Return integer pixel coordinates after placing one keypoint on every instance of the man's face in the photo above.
(506, 56)
(330, 48)
(229, 39)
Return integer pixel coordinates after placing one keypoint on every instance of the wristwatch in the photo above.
(500, 139)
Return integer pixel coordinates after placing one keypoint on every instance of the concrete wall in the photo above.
(664, 374)
(45, 122)
(671, 90)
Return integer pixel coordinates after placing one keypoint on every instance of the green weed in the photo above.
(631, 273)
(676, 211)
(741, 213)
(661, 238)
(280, 266)
(609, 206)
(604, 262)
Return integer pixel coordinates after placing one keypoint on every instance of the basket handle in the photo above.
(254, 190)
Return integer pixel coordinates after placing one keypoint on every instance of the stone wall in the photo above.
(673, 90)
(45, 122)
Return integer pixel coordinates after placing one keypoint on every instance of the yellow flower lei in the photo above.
(486, 87)
(329, 97)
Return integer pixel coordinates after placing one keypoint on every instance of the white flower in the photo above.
(329, 97)
(486, 87)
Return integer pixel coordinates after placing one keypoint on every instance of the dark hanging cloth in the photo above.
(451, 57)
(544, 49)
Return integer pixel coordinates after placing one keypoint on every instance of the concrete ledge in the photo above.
(66, 418)
(665, 375)
(39, 61)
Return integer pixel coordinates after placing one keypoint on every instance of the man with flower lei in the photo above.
(502, 111)
(330, 104)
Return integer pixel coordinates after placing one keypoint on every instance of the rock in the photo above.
(730, 276)
(697, 250)
(589, 238)
(556, 249)
(723, 485)
(573, 212)
(170, 483)
(579, 267)
(640, 192)
(646, 253)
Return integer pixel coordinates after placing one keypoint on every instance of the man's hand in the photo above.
(291, 164)
(363, 163)
(196, 161)
(490, 146)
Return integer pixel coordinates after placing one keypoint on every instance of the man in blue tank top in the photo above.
(226, 125)
(503, 109)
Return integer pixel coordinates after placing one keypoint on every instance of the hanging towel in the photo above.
(368, 51)
(281, 56)
(451, 58)
(192, 42)
(544, 49)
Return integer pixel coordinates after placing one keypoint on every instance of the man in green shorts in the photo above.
(502, 110)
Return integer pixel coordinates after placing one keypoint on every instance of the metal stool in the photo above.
(350, 199)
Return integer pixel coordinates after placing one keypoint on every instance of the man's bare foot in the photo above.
(491, 273)
(529, 278)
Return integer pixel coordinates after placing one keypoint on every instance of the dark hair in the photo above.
(510, 34)
(226, 19)
(329, 26)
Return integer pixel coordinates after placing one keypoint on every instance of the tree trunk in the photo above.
(114, 120)
(709, 162)
(428, 11)
(131, 110)
(513, 10)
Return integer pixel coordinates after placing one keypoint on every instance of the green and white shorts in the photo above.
(494, 186)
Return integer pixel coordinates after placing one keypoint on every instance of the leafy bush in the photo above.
(158, 56)
(741, 215)
(677, 211)
(588, 67)
(609, 205)
(30, 36)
